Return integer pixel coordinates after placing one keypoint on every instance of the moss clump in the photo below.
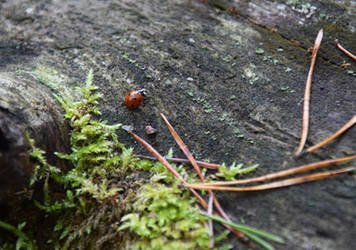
(23, 240)
(164, 215)
(164, 218)
(97, 204)
(89, 201)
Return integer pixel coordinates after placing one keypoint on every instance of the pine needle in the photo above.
(161, 159)
(180, 160)
(306, 105)
(187, 153)
(348, 125)
(276, 184)
(346, 52)
(284, 173)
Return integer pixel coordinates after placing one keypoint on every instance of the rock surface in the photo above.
(198, 62)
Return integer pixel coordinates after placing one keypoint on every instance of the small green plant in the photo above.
(98, 191)
(229, 173)
(55, 206)
(96, 153)
(42, 170)
(236, 132)
(23, 241)
(260, 51)
(97, 158)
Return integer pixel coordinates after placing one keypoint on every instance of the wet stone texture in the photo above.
(199, 64)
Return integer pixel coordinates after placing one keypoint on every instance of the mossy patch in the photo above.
(99, 189)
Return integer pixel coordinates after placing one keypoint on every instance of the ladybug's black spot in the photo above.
(135, 98)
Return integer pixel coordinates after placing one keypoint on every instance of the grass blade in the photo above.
(258, 240)
(245, 228)
(250, 232)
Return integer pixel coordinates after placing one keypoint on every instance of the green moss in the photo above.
(229, 173)
(23, 240)
(53, 79)
(98, 162)
(42, 170)
(164, 218)
(89, 207)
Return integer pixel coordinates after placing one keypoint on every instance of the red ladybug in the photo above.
(134, 98)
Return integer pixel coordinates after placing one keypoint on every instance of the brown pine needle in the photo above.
(190, 157)
(348, 125)
(167, 165)
(344, 50)
(161, 159)
(183, 147)
(276, 184)
(180, 160)
(306, 105)
(283, 173)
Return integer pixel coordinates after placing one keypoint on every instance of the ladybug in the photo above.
(134, 98)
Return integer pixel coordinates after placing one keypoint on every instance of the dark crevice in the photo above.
(4, 211)
(4, 143)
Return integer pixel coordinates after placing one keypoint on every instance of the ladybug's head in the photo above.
(142, 92)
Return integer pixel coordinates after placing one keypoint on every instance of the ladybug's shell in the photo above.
(133, 99)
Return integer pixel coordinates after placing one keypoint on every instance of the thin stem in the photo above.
(180, 160)
(210, 222)
(306, 105)
(344, 50)
(284, 173)
(277, 184)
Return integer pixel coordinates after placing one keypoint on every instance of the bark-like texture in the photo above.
(26, 107)
(199, 64)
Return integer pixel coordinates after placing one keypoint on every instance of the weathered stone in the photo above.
(228, 103)
(26, 106)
